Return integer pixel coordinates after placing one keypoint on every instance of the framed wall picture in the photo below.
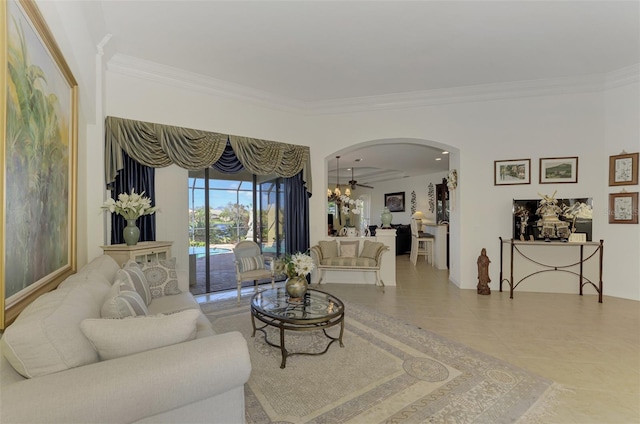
(510, 172)
(623, 208)
(623, 169)
(559, 170)
(394, 201)
(37, 160)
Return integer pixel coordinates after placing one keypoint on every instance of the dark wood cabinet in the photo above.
(442, 208)
(442, 202)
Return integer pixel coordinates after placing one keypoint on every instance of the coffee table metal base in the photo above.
(286, 326)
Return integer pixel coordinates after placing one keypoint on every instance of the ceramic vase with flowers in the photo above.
(350, 208)
(297, 267)
(131, 207)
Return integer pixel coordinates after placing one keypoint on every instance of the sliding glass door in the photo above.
(225, 209)
(270, 215)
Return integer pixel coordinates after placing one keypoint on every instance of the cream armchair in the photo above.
(251, 265)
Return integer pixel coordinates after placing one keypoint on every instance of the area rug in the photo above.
(388, 371)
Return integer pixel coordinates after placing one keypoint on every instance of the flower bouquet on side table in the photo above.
(131, 207)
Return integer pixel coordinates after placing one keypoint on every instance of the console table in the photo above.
(514, 246)
(143, 252)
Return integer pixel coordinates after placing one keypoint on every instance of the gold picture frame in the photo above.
(623, 169)
(38, 160)
(623, 208)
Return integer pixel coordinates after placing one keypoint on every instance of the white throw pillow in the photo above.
(162, 277)
(113, 338)
(46, 336)
(349, 249)
(122, 302)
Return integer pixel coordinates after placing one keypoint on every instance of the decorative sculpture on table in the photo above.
(483, 273)
(552, 226)
(575, 213)
(523, 213)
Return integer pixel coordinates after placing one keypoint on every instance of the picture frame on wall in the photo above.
(394, 201)
(623, 208)
(512, 171)
(38, 163)
(623, 169)
(559, 170)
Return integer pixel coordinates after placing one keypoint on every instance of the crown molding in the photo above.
(151, 71)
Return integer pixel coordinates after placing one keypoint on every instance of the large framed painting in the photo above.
(37, 160)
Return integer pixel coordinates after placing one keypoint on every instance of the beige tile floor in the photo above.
(592, 349)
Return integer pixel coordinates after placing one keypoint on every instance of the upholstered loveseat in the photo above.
(348, 255)
(62, 362)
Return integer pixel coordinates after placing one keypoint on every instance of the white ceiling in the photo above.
(311, 52)
(388, 161)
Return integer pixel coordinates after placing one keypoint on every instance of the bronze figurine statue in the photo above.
(483, 273)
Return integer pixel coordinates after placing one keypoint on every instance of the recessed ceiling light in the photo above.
(438, 158)
(445, 152)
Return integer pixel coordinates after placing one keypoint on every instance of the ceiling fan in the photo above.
(353, 183)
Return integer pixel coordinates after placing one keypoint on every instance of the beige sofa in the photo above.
(197, 380)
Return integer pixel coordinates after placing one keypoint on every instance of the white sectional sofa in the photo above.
(51, 372)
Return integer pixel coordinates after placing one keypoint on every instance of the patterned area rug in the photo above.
(388, 371)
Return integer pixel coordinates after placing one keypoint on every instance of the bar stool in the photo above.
(421, 244)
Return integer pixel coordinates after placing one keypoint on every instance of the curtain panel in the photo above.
(136, 176)
(157, 146)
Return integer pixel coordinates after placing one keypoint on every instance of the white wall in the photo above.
(621, 241)
(589, 125)
(476, 133)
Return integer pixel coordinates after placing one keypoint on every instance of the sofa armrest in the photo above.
(316, 254)
(133, 387)
(381, 252)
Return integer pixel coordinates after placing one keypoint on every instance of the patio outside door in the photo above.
(221, 214)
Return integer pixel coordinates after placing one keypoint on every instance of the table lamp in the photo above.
(418, 216)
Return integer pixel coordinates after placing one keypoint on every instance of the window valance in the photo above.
(158, 145)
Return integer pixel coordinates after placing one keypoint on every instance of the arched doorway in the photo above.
(411, 167)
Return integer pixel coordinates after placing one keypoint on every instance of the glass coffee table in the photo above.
(317, 310)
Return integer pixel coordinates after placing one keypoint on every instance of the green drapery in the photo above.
(158, 145)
